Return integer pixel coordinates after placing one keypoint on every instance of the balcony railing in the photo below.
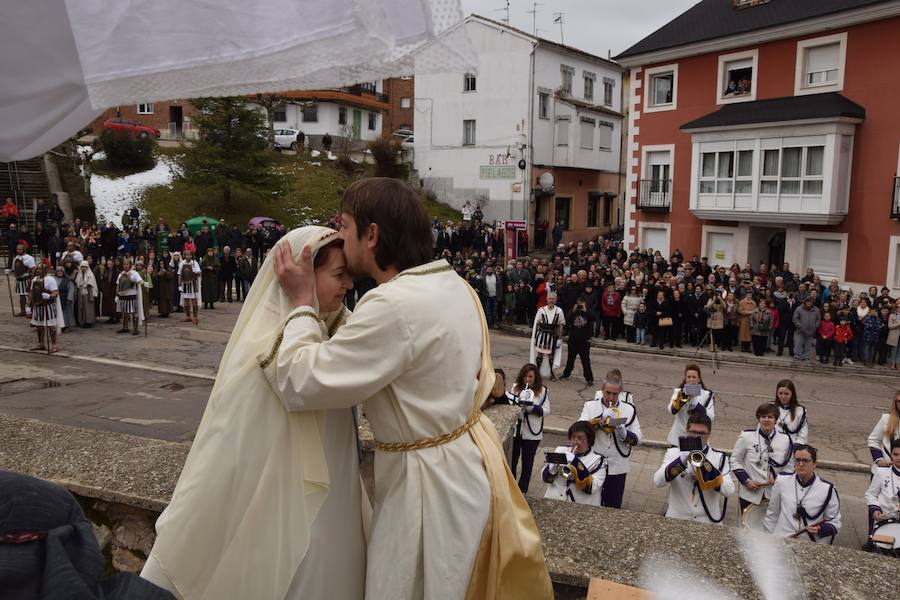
(895, 205)
(655, 195)
(358, 90)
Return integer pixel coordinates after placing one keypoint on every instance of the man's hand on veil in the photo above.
(297, 278)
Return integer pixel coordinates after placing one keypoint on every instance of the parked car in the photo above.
(402, 133)
(286, 138)
(132, 127)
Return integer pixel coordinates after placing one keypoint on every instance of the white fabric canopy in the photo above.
(64, 61)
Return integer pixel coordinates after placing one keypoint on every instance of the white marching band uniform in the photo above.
(884, 491)
(794, 506)
(542, 342)
(609, 444)
(560, 488)
(49, 314)
(879, 442)
(189, 289)
(530, 426)
(754, 459)
(625, 397)
(129, 300)
(797, 426)
(705, 403)
(687, 499)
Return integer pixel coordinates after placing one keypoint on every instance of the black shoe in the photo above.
(868, 547)
(564, 376)
(135, 332)
(590, 382)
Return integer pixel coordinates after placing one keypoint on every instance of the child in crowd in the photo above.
(843, 333)
(824, 338)
(509, 305)
(640, 324)
(872, 326)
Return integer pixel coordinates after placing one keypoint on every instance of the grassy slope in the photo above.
(313, 195)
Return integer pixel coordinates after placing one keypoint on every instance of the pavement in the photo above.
(157, 386)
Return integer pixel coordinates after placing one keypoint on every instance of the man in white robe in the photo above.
(445, 501)
(546, 337)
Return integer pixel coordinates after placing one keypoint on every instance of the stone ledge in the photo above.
(581, 542)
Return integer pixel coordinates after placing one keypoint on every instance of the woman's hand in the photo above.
(296, 278)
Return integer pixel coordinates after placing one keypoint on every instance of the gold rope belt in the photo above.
(429, 442)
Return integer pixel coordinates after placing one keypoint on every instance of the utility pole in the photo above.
(504, 10)
(558, 18)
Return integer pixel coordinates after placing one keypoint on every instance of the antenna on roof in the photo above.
(505, 10)
(558, 18)
(533, 12)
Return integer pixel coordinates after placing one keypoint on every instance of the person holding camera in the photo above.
(691, 397)
(581, 326)
(698, 476)
(618, 431)
(576, 473)
(530, 394)
(759, 455)
(802, 504)
(715, 320)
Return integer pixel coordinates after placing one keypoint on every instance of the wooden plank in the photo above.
(602, 589)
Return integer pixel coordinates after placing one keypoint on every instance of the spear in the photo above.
(12, 304)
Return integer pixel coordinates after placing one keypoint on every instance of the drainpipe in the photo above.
(528, 175)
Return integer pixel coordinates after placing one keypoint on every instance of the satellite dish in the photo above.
(546, 181)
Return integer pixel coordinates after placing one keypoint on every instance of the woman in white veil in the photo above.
(269, 504)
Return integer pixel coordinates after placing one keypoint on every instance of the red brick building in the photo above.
(401, 97)
(767, 130)
(173, 118)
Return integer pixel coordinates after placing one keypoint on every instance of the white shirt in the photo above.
(819, 501)
(530, 425)
(686, 499)
(617, 452)
(705, 402)
(796, 427)
(562, 489)
(753, 459)
(884, 489)
(879, 440)
(490, 285)
(27, 260)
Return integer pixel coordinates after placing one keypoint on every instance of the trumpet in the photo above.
(696, 459)
(567, 472)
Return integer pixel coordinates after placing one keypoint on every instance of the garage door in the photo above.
(720, 248)
(656, 239)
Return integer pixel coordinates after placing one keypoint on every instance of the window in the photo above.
(718, 174)
(342, 115)
(661, 88)
(793, 171)
(608, 208)
(593, 208)
(737, 77)
(372, 119)
(279, 115)
(609, 86)
(823, 256)
(543, 105)
(405, 102)
(469, 132)
(820, 64)
(589, 79)
(562, 131)
(406, 77)
(145, 109)
(606, 134)
(587, 133)
(311, 113)
(568, 74)
(469, 82)
(369, 86)
(563, 213)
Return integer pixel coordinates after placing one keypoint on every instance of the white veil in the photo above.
(239, 521)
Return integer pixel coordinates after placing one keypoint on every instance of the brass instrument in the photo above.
(567, 472)
(696, 459)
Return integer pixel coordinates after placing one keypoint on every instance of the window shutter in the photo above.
(822, 58)
(824, 257)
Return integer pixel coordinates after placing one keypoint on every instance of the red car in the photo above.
(132, 127)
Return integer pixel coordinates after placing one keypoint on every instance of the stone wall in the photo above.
(124, 482)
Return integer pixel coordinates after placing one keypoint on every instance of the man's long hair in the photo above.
(404, 231)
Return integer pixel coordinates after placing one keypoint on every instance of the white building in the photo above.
(555, 106)
(317, 112)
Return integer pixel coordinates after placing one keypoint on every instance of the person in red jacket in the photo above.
(824, 338)
(776, 323)
(611, 309)
(843, 333)
(10, 212)
(541, 291)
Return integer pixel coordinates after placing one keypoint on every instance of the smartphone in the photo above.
(556, 458)
(689, 443)
(692, 389)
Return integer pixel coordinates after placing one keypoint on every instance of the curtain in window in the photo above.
(790, 162)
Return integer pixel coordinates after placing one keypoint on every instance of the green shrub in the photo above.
(125, 151)
(385, 152)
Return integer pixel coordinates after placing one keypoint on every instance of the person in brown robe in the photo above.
(165, 278)
(108, 289)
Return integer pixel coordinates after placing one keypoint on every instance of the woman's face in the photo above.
(529, 378)
(332, 280)
(784, 396)
(691, 376)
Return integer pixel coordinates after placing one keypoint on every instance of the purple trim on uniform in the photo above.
(877, 454)
(742, 476)
(874, 508)
(546, 475)
(613, 490)
(631, 438)
(811, 481)
(699, 409)
(826, 530)
(895, 471)
(675, 464)
(537, 410)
